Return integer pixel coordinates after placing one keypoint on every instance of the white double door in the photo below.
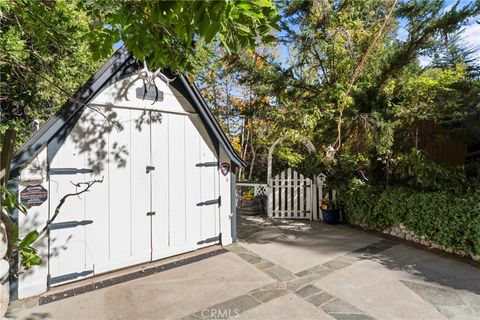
(157, 199)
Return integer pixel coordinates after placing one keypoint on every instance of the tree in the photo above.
(241, 108)
(347, 73)
(453, 51)
(177, 34)
(49, 48)
(44, 59)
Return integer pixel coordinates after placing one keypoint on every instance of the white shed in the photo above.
(167, 168)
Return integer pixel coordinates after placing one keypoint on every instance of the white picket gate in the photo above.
(294, 196)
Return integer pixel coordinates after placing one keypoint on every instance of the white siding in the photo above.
(118, 151)
(226, 208)
(176, 168)
(67, 250)
(118, 145)
(112, 96)
(139, 189)
(119, 214)
(160, 186)
(94, 156)
(209, 180)
(193, 183)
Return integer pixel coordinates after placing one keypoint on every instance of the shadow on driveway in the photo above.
(298, 245)
(432, 268)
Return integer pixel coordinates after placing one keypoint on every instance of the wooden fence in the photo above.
(294, 196)
(290, 195)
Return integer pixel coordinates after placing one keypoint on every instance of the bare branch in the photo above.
(88, 185)
(357, 71)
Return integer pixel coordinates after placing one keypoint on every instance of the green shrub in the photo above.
(413, 169)
(391, 207)
(444, 218)
(358, 201)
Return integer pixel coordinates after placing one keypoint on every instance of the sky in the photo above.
(471, 33)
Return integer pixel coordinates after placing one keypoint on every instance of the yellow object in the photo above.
(324, 203)
(248, 195)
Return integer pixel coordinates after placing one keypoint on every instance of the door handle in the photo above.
(152, 213)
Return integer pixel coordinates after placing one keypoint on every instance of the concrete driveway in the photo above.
(288, 270)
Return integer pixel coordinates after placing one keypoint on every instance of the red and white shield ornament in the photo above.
(225, 168)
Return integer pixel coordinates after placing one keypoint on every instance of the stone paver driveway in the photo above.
(290, 270)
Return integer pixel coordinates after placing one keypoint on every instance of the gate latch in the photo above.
(151, 213)
(149, 168)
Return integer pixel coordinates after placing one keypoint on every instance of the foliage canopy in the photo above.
(176, 34)
(307, 75)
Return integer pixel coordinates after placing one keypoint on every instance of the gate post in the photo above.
(270, 182)
(269, 200)
(321, 183)
(314, 206)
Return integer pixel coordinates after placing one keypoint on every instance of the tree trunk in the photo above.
(254, 152)
(244, 150)
(6, 157)
(5, 233)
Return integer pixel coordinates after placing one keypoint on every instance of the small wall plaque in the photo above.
(225, 168)
(33, 196)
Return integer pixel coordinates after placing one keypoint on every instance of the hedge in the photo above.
(444, 218)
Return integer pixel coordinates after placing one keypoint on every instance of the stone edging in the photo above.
(300, 283)
(401, 232)
(127, 277)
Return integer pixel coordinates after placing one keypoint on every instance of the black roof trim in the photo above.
(120, 65)
(61, 118)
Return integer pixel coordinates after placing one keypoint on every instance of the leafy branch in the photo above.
(60, 89)
(24, 247)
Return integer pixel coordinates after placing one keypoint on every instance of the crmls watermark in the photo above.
(220, 313)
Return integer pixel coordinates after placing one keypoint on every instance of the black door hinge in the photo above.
(207, 164)
(68, 224)
(210, 202)
(68, 171)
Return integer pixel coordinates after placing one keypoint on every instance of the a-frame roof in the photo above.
(121, 65)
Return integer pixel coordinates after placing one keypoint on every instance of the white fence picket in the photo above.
(295, 193)
(270, 200)
(301, 211)
(276, 210)
(282, 194)
(320, 199)
(294, 196)
(314, 206)
(308, 203)
(288, 181)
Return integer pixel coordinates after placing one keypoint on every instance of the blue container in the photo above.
(331, 216)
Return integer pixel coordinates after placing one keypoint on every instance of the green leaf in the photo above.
(269, 38)
(245, 5)
(203, 23)
(243, 28)
(29, 239)
(212, 30)
(29, 258)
